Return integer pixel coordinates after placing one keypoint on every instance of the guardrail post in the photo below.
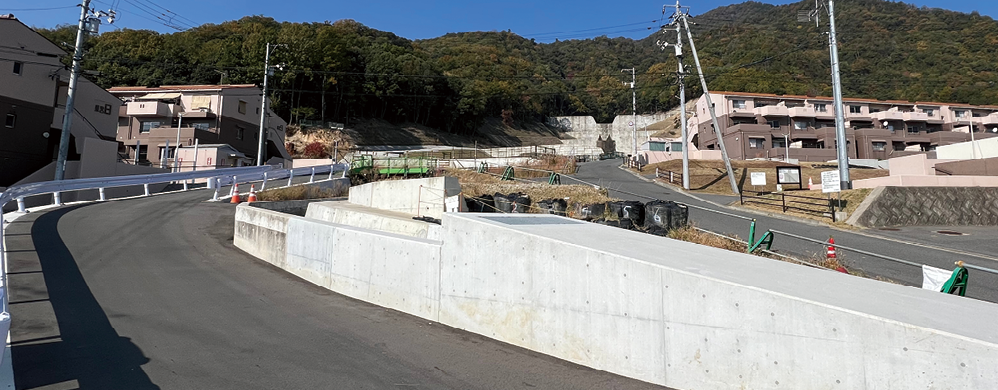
(214, 197)
(185, 185)
(20, 206)
(291, 175)
(656, 172)
(232, 187)
(330, 172)
(264, 185)
(672, 177)
(311, 179)
(57, 198)
(102, 196)
(146, 188)
(784, 198)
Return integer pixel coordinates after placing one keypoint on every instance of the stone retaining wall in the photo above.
(928, 206)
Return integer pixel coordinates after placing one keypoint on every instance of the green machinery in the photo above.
(393, 166)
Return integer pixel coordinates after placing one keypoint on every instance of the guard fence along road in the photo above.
(217, 178)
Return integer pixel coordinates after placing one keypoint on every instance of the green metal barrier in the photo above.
(555, 179)
(483, 168)
(767, 238)
(957, 283)
(508, 174)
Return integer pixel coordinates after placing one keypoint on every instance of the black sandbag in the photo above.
(481, 204)
(520, 203)
(504, 203)
(590, 212)
(664, 216)
(553, 206)
(629, 209)
(627, 224)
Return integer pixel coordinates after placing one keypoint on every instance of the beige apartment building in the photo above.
(763, 125)
(33, 89)
(152, 118)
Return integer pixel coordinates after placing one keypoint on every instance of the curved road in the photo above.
(980, 247)
(150, 293)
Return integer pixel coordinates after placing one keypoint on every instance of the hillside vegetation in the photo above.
(345, 72)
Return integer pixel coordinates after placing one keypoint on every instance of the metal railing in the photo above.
(824, 207)
(217, 177)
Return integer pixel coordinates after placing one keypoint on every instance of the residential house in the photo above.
(767, 126)
(153, 118)
(33, 89)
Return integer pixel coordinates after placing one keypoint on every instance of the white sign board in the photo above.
(758, 178)
(830, 182)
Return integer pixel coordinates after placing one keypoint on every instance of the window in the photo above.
(242, 106)
(146, 126)
(676, 146)
(756, 143)
(18, 67)
(738, 104)
(774, 124)
(879, 146)
(855, 109)
(929, 111)
(10, 121)
(779, 142)
(800, 125)
(240, 132)
(656, 146)
(821, 107)
(143, 152)
(201, 126)
(913, 129)
(959, 113)
(873, 110)
(899, 146)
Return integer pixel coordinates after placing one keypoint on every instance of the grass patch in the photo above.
(710, 176)
(297, 193)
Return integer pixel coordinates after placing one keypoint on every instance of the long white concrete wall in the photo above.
(346, 213)
(652, 308)
(584, 132)
(418, 197)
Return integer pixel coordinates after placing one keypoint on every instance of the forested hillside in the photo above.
(343, 71)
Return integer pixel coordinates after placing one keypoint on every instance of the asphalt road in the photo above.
(150, 293)
(921, 245)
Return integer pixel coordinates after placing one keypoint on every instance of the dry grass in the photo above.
(297, 193)
(475, 184)
(710, 176)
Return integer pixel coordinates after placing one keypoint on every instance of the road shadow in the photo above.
(87, 349)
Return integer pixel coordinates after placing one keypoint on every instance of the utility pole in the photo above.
(682, 93)
(263, 107)
(710, 105)
(634, 112)
(840, 125)
(67, 117)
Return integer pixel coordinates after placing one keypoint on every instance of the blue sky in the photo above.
(543, 20)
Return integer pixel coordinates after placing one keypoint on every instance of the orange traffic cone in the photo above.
(235, 193)
(831, 247)
(252, 194)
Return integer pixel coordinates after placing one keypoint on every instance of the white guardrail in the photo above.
(216, 178)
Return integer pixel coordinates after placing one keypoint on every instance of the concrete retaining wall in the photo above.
(928, 206)
(385, 269)
(346, 213)
(652, 308)
(417, 197)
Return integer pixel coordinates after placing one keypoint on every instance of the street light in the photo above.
(176, 154)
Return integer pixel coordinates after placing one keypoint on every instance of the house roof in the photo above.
(181, 88)
(846, 100)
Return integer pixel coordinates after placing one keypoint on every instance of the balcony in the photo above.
(990, 120)
(742, 112)
(802, 112)
(772, 111)
(888, 116)
(149, 108)
(915, 116)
